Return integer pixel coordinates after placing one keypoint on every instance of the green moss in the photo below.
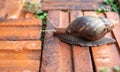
(114, 6)
(116, 69)
(35, 8)
(101, 10)
(104, 69)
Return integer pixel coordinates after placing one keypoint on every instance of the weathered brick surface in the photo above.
(20, 29)
(81, 55)
(68, 5)
(20, 45)
(15, 9)
(17, 54)
(75, 14)
(82, 59)
(72, 0)
(3, 10)
(20, 56)
(56, 55)
(29, 15)
(21, 22)
(19, 65)
(73, 4)
(20, 35)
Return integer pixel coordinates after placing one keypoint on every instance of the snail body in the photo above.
(87, 31)
(91, 28)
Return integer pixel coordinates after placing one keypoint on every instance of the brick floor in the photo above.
(21, 48)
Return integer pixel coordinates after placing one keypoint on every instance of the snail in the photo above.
(87, 31)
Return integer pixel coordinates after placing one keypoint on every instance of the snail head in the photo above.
(109, 23)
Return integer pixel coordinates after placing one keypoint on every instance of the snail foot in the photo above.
(74, 40)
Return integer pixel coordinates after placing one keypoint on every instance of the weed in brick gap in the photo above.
(116, 69)
(35, 8)
(107, 69)
(112, 3)
(104, 69)
(114, 6)
(43, 33)
(101, 10)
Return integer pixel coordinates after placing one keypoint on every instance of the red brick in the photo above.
(81, 55)
(68, 5)
(64, 20)
(106, 56)
(20, 35)
(20, 45)
(19, 65)
(56, 55)
(29, 15)
(15, 9)
(72, 0)
(19, 28)
(35, 0)
(3, 13)
(20, 14)
(75, 14)
(20, 55)
(90, 13)
(101, 15)
(21, 22)
(3, 10)
(115, 16)
(82, 59)
(74, 4)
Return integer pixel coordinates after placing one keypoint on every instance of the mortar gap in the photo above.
(44, 22)
(72, 58)
(92, 59)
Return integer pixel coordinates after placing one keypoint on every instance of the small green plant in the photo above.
(116, 69)
(35, 8)
(104, 69)
(101, 10)
(114, 6)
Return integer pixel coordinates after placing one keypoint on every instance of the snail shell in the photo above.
(91, 28)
